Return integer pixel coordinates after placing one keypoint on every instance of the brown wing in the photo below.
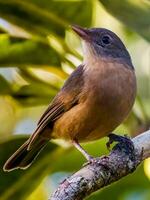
(67, 98)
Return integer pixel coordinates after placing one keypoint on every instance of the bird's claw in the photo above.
(89, 161)
(124, 143)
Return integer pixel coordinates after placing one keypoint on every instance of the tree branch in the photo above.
(104, 170)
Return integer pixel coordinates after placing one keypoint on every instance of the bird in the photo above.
(95, 99)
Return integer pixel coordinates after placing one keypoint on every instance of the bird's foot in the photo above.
(94, 160)
(124, 144)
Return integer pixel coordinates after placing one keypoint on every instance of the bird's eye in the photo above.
(106, 40)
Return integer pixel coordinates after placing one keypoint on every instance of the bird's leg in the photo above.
(85, 153)
(89, 158)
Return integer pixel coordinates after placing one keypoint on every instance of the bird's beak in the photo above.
(82, 32)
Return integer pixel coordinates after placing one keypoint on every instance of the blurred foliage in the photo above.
(22, 51)
(16, 184)
(37, 53)
(128, 11)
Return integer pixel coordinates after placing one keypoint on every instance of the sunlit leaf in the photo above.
(34, 94)
(39, 193)
(49, 78)
(22, 52)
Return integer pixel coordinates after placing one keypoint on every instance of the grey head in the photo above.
(103, 43)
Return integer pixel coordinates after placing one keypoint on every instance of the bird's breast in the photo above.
(106, 99)
(112, 86)
(112, 89)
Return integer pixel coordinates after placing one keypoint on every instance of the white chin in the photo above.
(88, 51)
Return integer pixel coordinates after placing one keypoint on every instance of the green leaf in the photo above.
(22, 52)
(54, 82)
(19, 184)
(34, 94)
(44, 17)
(135, 14)
(5, 87)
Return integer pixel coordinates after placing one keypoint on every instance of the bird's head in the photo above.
(102, 43)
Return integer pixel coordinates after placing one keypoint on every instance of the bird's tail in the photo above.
(23, 157)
